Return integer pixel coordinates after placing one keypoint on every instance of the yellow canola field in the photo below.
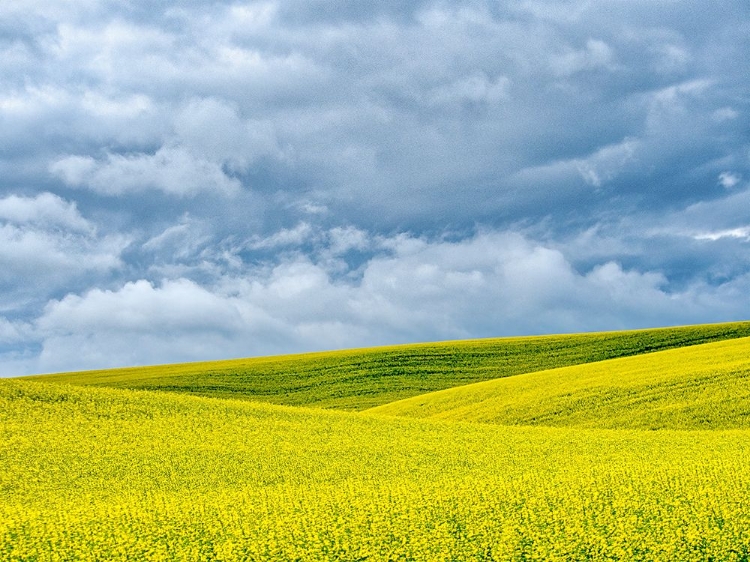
(703, 386)
(100, 474)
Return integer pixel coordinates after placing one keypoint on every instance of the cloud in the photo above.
(343, 109)
(285, 237)
(172, 170)
(596, 54)
(729, 180)
(742, 233)
(208, 146)
(476, 88)
(596, 169)
(491, 284)
(345, 239)
(46, 210)
(303, 163)
(727, 211)
(214, 129)
(137, 324)
(139, 306)
(37, 117)
(671, 104)
(607, 162)
(45, 241)
(725, 114)
(13, 332)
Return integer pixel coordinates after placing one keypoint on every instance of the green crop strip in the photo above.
(364, 378)
(697, 387)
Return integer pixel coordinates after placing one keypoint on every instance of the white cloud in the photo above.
(16, 363)
(54, 9)
(46, 210)
(33, 100)
(14, 56)
(28, 252)
(14, 332)
(139, 323)
(490, 284)
(207, 144)
(607, 162)
(180, 242)
(725, 114)
(668, 108)
(172, 170)
(213, 129)
(105, 49)
(728, 180)
(285, 237)
(384, 118)
(99, 105)
(742, 233)
(179, 305)
(46, 242)
(343, 239)
(724, 213)
(553, 10)
(35, 116)
(596, 169)
(249, 18)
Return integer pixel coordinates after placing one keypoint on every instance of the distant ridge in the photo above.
(359, 379)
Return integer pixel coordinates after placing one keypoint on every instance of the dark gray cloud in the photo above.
(278, 176)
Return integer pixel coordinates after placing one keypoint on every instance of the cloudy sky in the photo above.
(192, 180)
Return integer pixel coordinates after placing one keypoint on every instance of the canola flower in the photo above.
(102, 474)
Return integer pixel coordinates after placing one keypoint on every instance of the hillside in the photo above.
(106, 474)
(704, 386)
(363, 378)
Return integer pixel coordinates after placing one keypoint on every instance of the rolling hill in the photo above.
(577, 456)
(699, 387)
(358, 379)
(109, 474)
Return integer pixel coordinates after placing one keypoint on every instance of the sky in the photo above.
(190, 180)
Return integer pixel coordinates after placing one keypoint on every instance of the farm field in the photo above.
(122, 475)
(358, 379)
(635, 458)
(704, 386)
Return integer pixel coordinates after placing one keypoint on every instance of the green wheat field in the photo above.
(605, 446)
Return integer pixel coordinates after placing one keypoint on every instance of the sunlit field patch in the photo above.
(102, 474)
(700, 387)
